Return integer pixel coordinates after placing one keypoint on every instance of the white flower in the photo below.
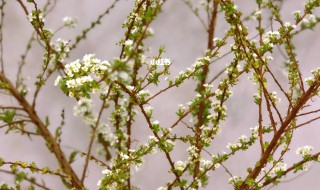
(33, 17)
(305, 150)
(152, 139)
(255, 131)
(205, 163)
(287, 24)
(242, 138)
(106, 172)
(124, 156)
(58, 80)
(128, 42)
(99, 183)
(234, 179)
(150, 31)
(148, 110)
(257, 13)
(70, 22)
(131, 88)
(305, 166)
(179, 166)
(279, 167)
(124, 75)
(234, 146)
(162, 188)
(156, 122)
(269, 58)
(192, 150)
(71, 83)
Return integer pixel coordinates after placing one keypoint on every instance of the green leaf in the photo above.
(20, 176)
(72, 156)
(47, 121)
(8, 116)
(1, 162)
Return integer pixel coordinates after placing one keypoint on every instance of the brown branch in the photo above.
(94, 131)
(267, 182)
(32, 181)
(44, 132)
(264, 157)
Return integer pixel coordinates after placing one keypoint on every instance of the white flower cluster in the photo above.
(201, 61)
(181, 109)
(213, 130)
(258, 12)
(80, 73)
(207, 88)
(107, 134)
(278, 168)
(168, 145)
(107, 172)
(207, 163)
(233, 71)
(131, 88)
(311, 20)
(305, 166)
(190, 71)
(73, 83)
(305, 150)
(234, 180)
(88, 64)
(193, 152)
(128, 43)
(315, 77)
(62, 48)
(219, 93)
(69, 22)
(83, 109)
(274, 97)
(218, 111)
(289, 26)
(179, 166)
(123, 156)
(255, 131)
(270, 37)
(156, 122)
(309, 80)
(33, 17)
(152, 139)
(142, 95)
(296, 14)
(241, 142)
(148, 110)
(257, 98)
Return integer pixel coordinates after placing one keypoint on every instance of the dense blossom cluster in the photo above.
(81, 76)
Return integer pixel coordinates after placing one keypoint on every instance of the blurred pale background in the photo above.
(185, 40)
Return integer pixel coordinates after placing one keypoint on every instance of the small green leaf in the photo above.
(8, 116)
(72, 156)
(47, 121)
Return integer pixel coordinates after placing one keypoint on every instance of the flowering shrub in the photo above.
(123, 89)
